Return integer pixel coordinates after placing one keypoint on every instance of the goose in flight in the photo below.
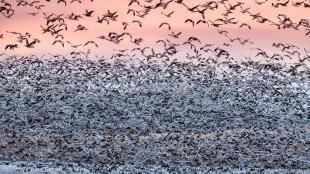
(88, 13)
(138, 22)
(74, 46)
(91, 42)
(74, 17)
(80, 28)
(58, 41)
(246, 25)
(175, 35)
(137, 41)
(31, 44)
(59, 35)
(11, 46)
(133, 1)
(202, 21)
(63, 1)
(168, 15)
(276, 5)
(191, 21)
(165, 23)
(32, 14)
(125, 25)
(38, 7)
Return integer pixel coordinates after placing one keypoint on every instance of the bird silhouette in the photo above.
(91, 42)
(191, 21)
(88, 13)
(246, 25)
(11, 46)
(134, 1)
(58, 41)
(32, 43)
(276, 5)
(168, 14)
(125, 25)
(202, 21)
(165, 23)
(138, 22)
(175, 35)
(137, 41)
(74, 45)
(80, 28)
(62, 1)
(32, 14)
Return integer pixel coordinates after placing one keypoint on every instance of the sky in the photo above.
(263, 35)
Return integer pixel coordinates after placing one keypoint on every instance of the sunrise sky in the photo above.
(263, 35)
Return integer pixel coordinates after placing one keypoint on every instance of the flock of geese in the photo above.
(143, 110)
(57, 24)
(151, 116)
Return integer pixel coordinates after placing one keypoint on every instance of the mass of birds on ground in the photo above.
(144, 110)
(123, 116)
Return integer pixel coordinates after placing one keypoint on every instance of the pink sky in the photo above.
(263, 35)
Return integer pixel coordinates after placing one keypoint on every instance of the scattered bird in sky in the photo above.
(62, 1)
(245, 25)
(11, 46)
(283, 4)
(168, 15)
(32, 43)
(80, 28)
(138, 22)
(190, 21)
(88, 13)
(175, 35)
(91, 42)
(74, 45)
(165, 23)
(32, 14)
(58, 41)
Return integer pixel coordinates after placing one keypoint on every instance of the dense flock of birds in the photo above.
(122, 115)
(144, 110)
